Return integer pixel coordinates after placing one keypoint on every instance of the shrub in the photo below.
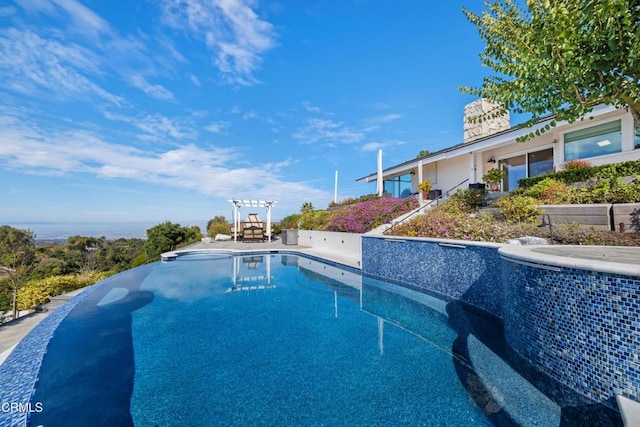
(635, 220)
(494, 176)
(609, 191)
(551, 191)
(577, 164)
(37, 292)
(290, 221)
(218, 225)
(315, 220)
(579, 174)
(424, 187)
(365, 216)
(517, 209)
(353, 200)
(468, 200)
(443, 224)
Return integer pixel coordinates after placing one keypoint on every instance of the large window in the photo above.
(594, 141)
(398, 186)
(516, 169)
(540, 162)
(525, 165)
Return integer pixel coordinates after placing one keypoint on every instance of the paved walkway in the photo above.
(12, 332)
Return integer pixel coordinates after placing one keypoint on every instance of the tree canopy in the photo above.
(167, 236)
(17, 260)
(560, 57)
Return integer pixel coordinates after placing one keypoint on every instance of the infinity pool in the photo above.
(276, 339)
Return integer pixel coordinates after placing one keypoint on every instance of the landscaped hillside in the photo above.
(517, 214)
(352, 216)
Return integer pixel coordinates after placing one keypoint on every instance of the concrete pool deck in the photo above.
(606, 259)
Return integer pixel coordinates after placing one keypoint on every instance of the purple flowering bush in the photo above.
(367, 215)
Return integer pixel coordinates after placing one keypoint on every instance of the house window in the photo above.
(398, 186)
(540, 162)
(594, 141)
(516, 169)
(526, 165)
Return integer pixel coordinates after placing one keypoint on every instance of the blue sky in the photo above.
(164, 109)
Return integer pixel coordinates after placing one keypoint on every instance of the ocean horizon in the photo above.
(109, 230)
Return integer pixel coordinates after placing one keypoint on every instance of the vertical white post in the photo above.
(235, 222)
(420, 179)
(380, 183)
(268, 222)
(472, 168)
(335, 191)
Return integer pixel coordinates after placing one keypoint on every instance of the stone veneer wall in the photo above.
(475, 128)
(580, 327)
(466, 271)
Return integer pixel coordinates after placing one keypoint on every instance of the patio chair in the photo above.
(253, 229)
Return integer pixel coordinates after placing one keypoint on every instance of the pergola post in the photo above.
(237, 204)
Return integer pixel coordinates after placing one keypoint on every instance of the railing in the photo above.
(417, 210)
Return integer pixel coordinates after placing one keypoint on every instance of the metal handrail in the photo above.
(417, 210)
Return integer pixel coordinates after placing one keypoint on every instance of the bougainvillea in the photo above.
(365, 216)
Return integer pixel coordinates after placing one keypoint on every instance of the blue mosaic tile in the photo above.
(470, 273)
(19, 373)
(580, 327)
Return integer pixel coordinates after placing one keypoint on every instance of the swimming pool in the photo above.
(278, 339)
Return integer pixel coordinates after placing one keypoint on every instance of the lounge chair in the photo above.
(253, 229)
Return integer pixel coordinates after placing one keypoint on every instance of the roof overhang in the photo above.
(508, 136)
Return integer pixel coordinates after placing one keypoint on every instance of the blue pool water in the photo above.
(276, 339)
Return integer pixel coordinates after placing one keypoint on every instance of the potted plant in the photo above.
(424, 188)
(494, 177)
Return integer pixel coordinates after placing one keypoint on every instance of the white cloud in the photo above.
(231, 29)
(327, 131)
(310, 107)
(195, 80)
(384, 119)
(218, 127)
(83, 20)
(211, 171)
(156, 127)
(375, 146)
(7, 11)
(155, 91)
(31, 64)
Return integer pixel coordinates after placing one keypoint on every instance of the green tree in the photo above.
(306, 208)
(168, 236)
(560, 57)
(85, 254)
(17, 261)
(423, 153)
(218, 225)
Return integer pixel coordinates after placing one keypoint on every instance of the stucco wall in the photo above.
(347, 244)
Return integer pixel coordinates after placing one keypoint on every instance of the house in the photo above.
(607, 135)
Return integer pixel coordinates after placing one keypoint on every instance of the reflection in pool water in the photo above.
(274, 339)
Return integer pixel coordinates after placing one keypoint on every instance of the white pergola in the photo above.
(241, 203)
